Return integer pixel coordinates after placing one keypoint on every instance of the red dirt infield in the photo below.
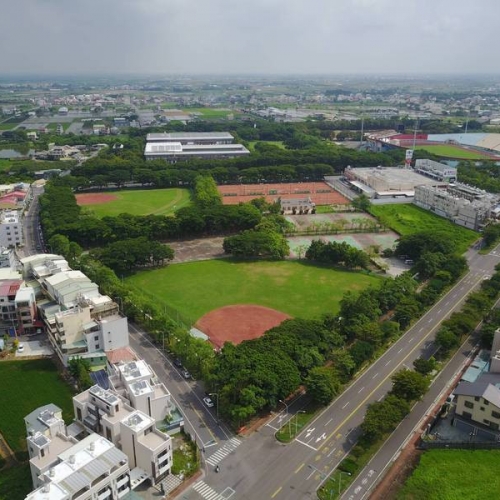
(320, 192)
(238, 323)
(94, 198)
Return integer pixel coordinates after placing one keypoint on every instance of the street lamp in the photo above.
(340, 478)
(289, 420)
(296, 420)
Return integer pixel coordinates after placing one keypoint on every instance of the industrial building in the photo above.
(387, 182)
(179, 146)
(464, 205)
(436, 170)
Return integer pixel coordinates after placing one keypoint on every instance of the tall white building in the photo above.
(134, 431)
(79, 321)
(90, 469)
(11, 229)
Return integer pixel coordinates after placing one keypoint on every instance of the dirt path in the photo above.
(7, 453)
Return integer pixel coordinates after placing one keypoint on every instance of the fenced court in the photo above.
(319, 192)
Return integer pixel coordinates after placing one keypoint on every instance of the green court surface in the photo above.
(296, 288)
(451, 151)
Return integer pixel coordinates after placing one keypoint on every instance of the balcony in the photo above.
(104, 494)
(123, 481)
(162, 458)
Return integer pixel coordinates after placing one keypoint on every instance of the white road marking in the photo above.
(345, 406)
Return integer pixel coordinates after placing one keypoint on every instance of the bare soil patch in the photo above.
(94, 198)
(238, 323)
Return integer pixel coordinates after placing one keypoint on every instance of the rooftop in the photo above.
(189, 136)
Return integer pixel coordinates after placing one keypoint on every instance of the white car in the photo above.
(208, 401)
(20, 348)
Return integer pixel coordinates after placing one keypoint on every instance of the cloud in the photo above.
(248, 36)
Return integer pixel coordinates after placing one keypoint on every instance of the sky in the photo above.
(159, 37)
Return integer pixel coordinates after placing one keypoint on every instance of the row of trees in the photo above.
(61, 215)
(335, 253)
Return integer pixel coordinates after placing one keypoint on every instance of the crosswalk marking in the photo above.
(223, 452)
(206, 491)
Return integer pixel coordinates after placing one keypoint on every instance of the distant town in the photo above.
(247, 287)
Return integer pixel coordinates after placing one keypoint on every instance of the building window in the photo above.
(486, 402)
(487, 422)
(97, 346)
(468, 404)
(482, 408)
(96, 338)
(477, 398)
(495, 414)
(108, 433)
(467, 415)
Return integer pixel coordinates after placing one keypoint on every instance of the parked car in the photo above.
(20, 348)
(208, 401)
(178, 362)
(186, 374)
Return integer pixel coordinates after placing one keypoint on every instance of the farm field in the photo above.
(26, 385)
(295, 288)
(451, 151)
(453, 475)
(408, 219)
(137, 202)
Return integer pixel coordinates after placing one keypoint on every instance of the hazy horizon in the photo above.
(162, 38)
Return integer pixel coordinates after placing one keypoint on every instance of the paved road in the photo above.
(211, 434)
(33, 240)
(261, 468)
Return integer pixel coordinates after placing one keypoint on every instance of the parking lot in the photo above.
(34, 348)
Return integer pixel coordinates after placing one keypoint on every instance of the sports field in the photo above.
(26, 385)
(295, 288)
(408, 219)
(451, 151)
(135, 202)
(454, 475)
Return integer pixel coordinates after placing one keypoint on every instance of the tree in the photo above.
(446, 340)
(424, 366)
(409, 385)
(322, 385)
(384, 416)
(362, 203)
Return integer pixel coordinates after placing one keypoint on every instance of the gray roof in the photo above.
(188, 136)
(487, 386)
(33, 421)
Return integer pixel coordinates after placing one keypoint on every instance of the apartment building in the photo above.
(464, 205)
(90, 469)
(133, 431)
(11, 229)
(79, 321)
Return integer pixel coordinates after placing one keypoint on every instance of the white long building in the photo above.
(179, 146)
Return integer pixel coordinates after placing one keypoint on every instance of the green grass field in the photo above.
(296, 288)
(211, 113)
(451, 151)
(5, 164)
(15, 483)
(454, 475)
(143, 202)
(407, 219)
(26, 385)
(251, 144)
